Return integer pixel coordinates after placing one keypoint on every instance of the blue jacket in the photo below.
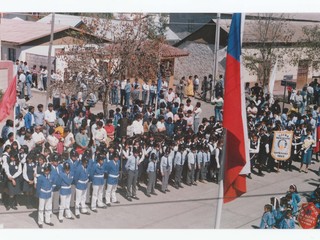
(27, 120)
(56, 184)
(287, 224)
(112, 169)
(97, 174)
(81, 177)
(44, 186)
(66, 180)
(267, 220)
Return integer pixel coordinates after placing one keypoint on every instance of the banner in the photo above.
(308, 216)
(281, 145)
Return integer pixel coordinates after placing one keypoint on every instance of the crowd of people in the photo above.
(282, 213)
(66, 157)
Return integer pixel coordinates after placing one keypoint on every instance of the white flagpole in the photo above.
(272, 81)
(223, 157)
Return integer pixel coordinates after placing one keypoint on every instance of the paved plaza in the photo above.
(188, 208)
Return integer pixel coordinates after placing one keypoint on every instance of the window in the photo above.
(303, 68)
(12, 55)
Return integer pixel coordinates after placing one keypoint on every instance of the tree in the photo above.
(112, 49)
(268, 34)
(308, 47)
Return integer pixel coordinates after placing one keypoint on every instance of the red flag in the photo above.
(8, 99)
(234, 117)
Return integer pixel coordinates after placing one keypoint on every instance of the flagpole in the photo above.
(221, 177)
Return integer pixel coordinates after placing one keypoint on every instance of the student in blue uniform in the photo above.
(112, 170)
(44, 193)
(295, 199)
(81, 178)
(66, 176)
(288, 221)
(74, 163)
(13, 172)
(152, 175)
(55, 160)
(97, 175)
(267, 220)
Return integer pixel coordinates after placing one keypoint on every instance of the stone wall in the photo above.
(199, 62)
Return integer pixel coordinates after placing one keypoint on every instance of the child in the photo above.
(287, 222)
(267, 220)
(295, 199)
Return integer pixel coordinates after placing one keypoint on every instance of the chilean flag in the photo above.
(8, 99)
(234, 118)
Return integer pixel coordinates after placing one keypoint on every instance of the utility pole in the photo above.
(49, 59)
(216, 49)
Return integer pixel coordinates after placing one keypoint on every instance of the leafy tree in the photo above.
(268, 35)
(112, 49)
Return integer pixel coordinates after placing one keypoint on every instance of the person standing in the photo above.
(112, 169)
(50, 117)
(66, 176)
(189, 87)
(81, 179)
(97, 176)
(29, 83)
(29, 119)
(44, 76)
(152, 175)
(115, 90)
(39, 116)
(197, 112)
(44, 193)
(191, 166)
(132, 168)
(123, 84)
(28, 176)
(218, 102)
(13, 170)
(127, 89)
(307, 151)
(165, 169)
(145, 92)
(267, 220)
(153, 92)
(178, 162)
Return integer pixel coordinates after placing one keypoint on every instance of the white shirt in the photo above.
(50, 116)
(123, 84)
(170, 96)
(197, 113)
(137, 127)
(37, 137)
(145, 87)
(187, 108)
(100, 134)
(68, 140)
(22, 78)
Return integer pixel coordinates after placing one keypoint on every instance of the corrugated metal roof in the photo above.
(62, 19)
(19, 32)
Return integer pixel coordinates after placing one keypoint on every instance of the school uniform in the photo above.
(267, 221)
(97, 175)
(287, 223)
(205, 162)
(81, 179)
(191, 168)
(44, 193)
(55, 188)
(178, 162)
(73, 167)
(152, 176)
(112, 169)
(132, 168)
(198, 165)
(13, 170)
(165, 169)
(65, 194)
(28, 175)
